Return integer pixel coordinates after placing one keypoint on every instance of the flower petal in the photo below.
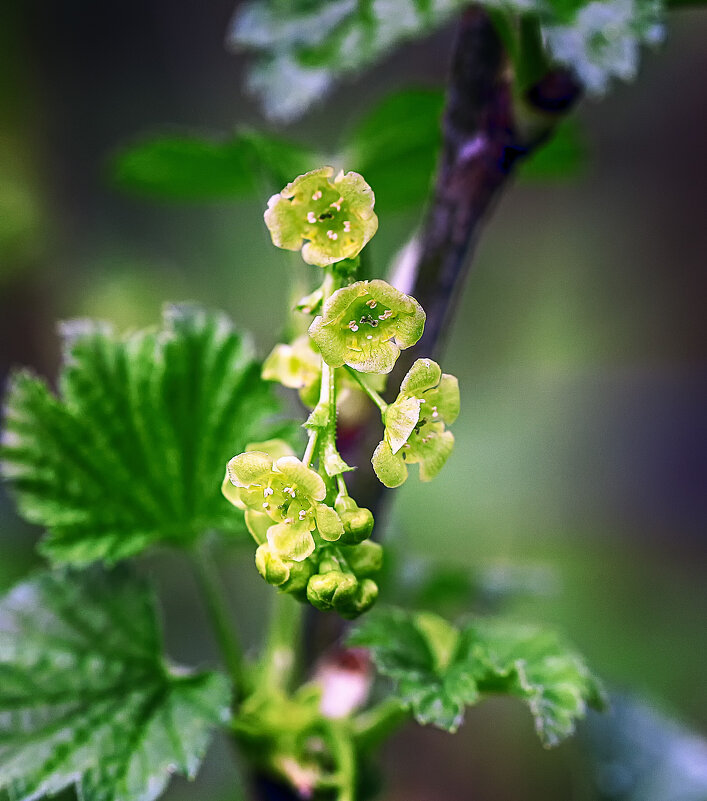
(291, 541)
(310, 482)
(275, 448)
(249, 468)
(258, 524)
(389, 467)
(424, 374)
(231, 493)
(434, 455)
(378, 356)
(329, 523)
(447, 398)
(400, 420)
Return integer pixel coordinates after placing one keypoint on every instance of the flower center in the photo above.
(326, 216)
(285, 503)
(366, 317)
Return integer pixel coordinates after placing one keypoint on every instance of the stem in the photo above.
(372, 394)
(378, 723)
(345, 759)
(329, 375)
(311, 447)
(216, 605)
(281, 646)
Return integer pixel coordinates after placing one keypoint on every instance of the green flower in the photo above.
(415, 425)
(366, 325)
(299, 366)
(329, 220)
(296, 366)
(282, 500)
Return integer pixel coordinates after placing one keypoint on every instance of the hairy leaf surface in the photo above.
(86, 696)
(438, 669)
(133, 449)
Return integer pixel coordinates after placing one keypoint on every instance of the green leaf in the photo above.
(188, 167)
(304, 47)
(438, 670)
(86, 696)
(396, 147)
(533, 664)
(133, 450)
(403, 649)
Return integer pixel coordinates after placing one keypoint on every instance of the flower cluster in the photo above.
(295, 529)
(312, 536)
(415, 425)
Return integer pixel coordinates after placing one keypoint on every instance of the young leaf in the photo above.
(434, 689)
(86, 696)
(532, 664)
(192, 168)
(133, 450)
(306, 46)
(601, 40)
(438, 669)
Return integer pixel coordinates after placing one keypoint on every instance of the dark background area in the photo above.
(580, 344)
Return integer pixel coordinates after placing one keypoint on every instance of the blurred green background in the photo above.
(580, 345)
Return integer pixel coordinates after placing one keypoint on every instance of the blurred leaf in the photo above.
(133, 451)
(561, 157)
(194, 168)
(601, 40)
(278, 160)
(534, 665)
(395, 146)
(86, 696)
(185, 168)
(438, 669)
(304, 47)
(641, 754)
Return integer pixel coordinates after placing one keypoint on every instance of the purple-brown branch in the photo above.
(482, 143)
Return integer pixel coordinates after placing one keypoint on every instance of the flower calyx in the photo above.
(329, 220)
(415, 425)
(365, 325)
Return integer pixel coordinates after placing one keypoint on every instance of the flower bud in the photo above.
(364, 559)
(331, 590)
(365, 597)
(358, 521)
(273, 569)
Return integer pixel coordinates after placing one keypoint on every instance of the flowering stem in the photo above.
(311, 447)
(283, 636)
(372, 394)
(343, 753)
(212, 592)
